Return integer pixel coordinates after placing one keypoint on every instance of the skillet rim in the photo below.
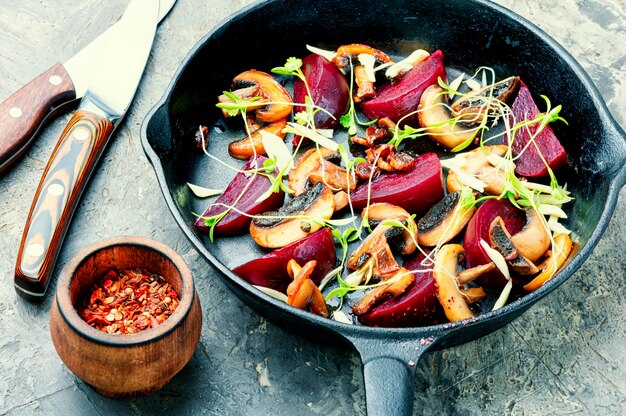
(440, 331)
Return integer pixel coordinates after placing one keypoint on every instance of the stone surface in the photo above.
(565, 356)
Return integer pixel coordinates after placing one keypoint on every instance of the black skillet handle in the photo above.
(389, 373)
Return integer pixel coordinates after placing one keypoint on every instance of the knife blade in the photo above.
(109, 94)
(29, 108)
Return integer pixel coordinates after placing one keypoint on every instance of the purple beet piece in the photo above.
(235, 222)
(478, 228)
(416, 190)
(271, 269)
(399, 99)
(530, 164)
(417, 306)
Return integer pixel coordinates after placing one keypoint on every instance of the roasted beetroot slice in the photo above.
(478, 227)
(234, 222)
(329, 90)
(530, 164)
(416, 190)
(271, 269)
(417, 306)
(399, 99)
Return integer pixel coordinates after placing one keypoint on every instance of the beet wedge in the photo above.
(234, 222)
(529, 163)
(399, 99)
(271, 269)
(478, 228)
(417, 306)
(415, 191)
(329, 90)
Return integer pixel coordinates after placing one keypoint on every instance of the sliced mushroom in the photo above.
(302, 293)
(478, 165)
(246, 94)
(341, 200)
(563, 246)
(279, 99)
(308, 162)
(501, 241)
(474, 106)
(396, 286)
(365, 87)
(348, 53)
(375, 252)
(434, 115)
(247, 147)
(333, 176)
(444, 221)
(533, 240)
(314, 166)
(277, 228)
(450, 297)
(381, 211)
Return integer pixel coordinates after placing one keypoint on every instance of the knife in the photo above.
(108, 95)
(29, 108)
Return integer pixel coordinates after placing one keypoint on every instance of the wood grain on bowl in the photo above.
(125, 365)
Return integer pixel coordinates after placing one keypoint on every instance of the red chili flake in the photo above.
(128, 301)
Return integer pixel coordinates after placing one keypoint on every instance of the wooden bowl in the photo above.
(125, 365)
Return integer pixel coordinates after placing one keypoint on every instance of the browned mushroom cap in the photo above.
(314, 166)
(271, 90)
(397, 285)
(479, 166)
(501, 241)
(274, 229)
(444, 221)
(382, 211)
(533, 240)
(450, 297)
(347, 52)
(434, 115)
(247, 147)
(474, 106)
(246, 94)
(302, 293)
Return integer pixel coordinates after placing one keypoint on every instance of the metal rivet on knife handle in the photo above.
(25, 111)
(59, 191)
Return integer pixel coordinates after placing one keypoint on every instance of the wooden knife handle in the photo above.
(64, 179)
(24, 112)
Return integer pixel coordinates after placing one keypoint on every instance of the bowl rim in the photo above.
(70, 315)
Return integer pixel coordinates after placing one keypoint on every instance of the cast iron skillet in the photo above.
(471, 34)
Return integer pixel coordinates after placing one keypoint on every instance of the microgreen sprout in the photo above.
(238, 104)
(350, 120)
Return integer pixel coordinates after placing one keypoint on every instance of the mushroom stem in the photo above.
(450, 297)
(396, 285)
(302, 293)
(473, 294)
(469, 275)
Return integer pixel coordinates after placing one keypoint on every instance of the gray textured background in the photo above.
(565, 356)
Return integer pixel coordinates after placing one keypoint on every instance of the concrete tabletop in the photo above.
(565, 356)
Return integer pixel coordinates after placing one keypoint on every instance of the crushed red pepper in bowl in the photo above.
(128, 301)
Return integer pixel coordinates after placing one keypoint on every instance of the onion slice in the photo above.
(202, 192)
